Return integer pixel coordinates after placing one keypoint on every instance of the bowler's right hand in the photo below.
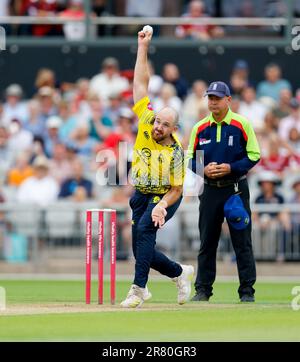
(144, 38)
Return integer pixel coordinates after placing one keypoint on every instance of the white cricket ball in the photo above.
(148, 28)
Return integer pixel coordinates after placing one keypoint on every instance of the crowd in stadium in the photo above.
(69, 124)
(74, 9)
(50, 142)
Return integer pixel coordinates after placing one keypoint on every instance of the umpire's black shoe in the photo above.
(200, 297)
(247, 298)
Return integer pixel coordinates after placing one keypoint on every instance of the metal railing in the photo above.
(287, 22)
(126, 20)
(58, 232)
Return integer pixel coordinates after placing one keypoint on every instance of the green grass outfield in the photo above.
(54, 311)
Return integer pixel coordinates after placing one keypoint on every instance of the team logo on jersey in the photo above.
(203, 141)
(146, 152)
(146, 134)
(155, 200)
(149, 106)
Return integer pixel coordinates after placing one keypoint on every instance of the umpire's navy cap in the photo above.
(219, 89)
(235, 213)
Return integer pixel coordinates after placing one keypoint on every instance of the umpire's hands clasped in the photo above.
(214, 171)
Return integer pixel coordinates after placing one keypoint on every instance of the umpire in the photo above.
(230, 150)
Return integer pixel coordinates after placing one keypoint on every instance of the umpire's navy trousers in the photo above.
(210, 223)
(144, 239)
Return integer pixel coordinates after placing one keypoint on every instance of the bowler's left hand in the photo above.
(158, 215)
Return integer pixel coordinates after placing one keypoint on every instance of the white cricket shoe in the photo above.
(146, 294)
(184, 283)
(134, 297)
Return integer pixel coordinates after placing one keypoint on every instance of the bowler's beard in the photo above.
(157, 137)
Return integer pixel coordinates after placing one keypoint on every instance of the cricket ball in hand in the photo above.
(148, 28)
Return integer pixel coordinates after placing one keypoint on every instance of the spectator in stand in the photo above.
(283, 109)
(239, 78)
(271, 123)
(237, 84)
(13, 106)
(125, 126)
(111, 112)
(37, 149)
(79, 101)
(193, 103)
(21, 171)
(41, 188)
(74, 30)
(124, 133)
(152, 8)
(247, 9)
(100, 126)
(34, 123)
(241, 69)
(279, 222)
(196, 9)
(52, 136)
(6, 153)
(60, 167)
(294, 142)
(2, 199)
(278, 156)
(270, 129)
(172, 75)
(298, 95)
(127, 95)
(145, 8)
(77, 187)
(272, 86)
(253, 110)
(155, 81)
(82, 142)
(20, 139)
(109, 80)
(68, 121)
(291, 121)
(45, 78)
(41, 9)
(47, 103)
(235, 104)
(167, 98)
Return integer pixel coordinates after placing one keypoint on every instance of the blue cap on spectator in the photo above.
(235, 213)
(219, 89)
(240, 64)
